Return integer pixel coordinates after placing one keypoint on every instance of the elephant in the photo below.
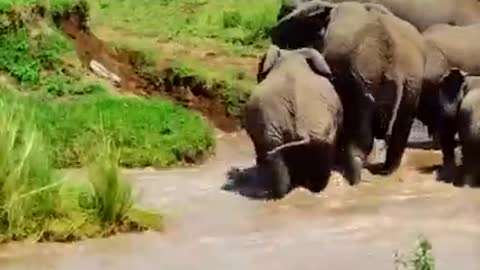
(459, 44)
(460, 96)
(422, 13)
(377, 62)
(294, 118)
(448, 48)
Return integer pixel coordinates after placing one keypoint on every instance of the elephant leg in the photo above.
(280, 176)
(397, 142)
(352, 165)
(319, 163)
(447, 143)
(347, 163)
(471, 172)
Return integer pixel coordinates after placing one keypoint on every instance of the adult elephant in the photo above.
(459, 44)
(377, 61)
(459, 96)
(421, 13)
(294, 119)
(449, 48)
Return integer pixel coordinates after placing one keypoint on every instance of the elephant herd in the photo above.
(341, 73)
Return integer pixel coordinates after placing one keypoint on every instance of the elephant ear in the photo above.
(316, 61)
(302, 27)
(267, 62)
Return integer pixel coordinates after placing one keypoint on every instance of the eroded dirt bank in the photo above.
(342, 228)
(125, 68)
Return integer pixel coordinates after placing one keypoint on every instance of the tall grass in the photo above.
(36, 203)
(27, 195)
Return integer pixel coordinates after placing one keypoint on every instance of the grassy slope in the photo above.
(147, 133)
(56, 108)
(219, 40)
(38, 204)
(38, 60)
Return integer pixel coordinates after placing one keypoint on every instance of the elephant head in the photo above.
(306, 25)
(303, 27)
(274, 54)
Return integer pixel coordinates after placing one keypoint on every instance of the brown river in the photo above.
(341, 228)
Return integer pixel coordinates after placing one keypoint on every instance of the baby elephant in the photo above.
(460, 98)
(294, 119)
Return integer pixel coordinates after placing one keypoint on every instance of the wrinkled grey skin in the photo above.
(448, 48)
(424, 13)
(377, 61)
(294, 119)
(460, 97)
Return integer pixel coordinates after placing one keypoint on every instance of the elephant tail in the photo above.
(293, 144)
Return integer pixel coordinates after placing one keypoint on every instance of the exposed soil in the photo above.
(208, 53)
(189, 91)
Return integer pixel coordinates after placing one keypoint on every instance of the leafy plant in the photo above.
(422, 258)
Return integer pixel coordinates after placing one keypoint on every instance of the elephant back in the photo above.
(459, 44)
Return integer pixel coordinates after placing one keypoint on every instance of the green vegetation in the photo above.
(39, 61)
(54, 115)
(242, 22)
(147, 133)
(422, 258)
(235, 85)
(37, 204)
(235, 30)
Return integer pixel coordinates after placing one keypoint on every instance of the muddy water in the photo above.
(341, 228)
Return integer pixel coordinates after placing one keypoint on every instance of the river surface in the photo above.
(341, 228)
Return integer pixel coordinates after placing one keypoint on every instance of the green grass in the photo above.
(242, 22)
(146, 132)
(36, 56)
(54, 6)
(233, 86)
(36, 204)
(231, 28)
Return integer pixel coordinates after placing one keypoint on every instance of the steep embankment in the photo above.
(72, 108)
(130, 70)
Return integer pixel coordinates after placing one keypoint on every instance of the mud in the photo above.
(130, 68)
(341, 228)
